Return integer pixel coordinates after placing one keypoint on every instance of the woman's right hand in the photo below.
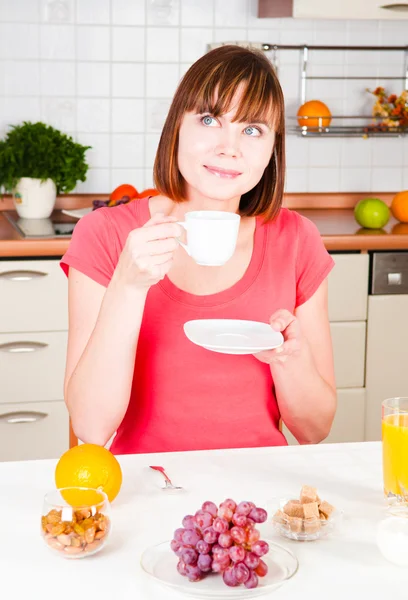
(148, 253)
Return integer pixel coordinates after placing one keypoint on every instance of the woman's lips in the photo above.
(222, 173)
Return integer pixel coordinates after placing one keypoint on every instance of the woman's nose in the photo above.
(228, 145)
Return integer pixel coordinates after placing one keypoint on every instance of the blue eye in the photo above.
(252, 131)
(208, 120)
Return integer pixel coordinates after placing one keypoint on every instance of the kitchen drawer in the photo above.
(32, 366)
(349, 340)
(349, 422)
(34, 296)
(348, 287)
(33, 431)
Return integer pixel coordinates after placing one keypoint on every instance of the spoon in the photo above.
(168, 485)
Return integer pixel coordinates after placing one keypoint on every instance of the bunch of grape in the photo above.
(222, 540)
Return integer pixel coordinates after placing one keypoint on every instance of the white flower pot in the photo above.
(34, 199)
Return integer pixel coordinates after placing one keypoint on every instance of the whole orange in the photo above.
(91, 466)
(314, 109)
(123, 190)
(399, 206)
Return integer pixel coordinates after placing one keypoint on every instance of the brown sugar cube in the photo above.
(295, 524)
(311, 510)
(311, 525)
(294, 509)
(326, 509)
(322, 516)
(280, 517)
(308, 494)
(318, 501)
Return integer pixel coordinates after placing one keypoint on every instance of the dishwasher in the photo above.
(387, 335)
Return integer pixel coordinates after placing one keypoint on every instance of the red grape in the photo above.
(210, 535)
(260, 548)
(191, 537)
(181, 567)
(203, 519)
(238, 535)
(229, 577)
(189, 522)
(202, 547)
(204, 562)
(210, 507)
(243, 508)
(237, 553)
(252, 582)
(225, 540)
(190, 556)
(261, 569)
(241, 572)
(259, 515)
(251, 560)
(220, 525)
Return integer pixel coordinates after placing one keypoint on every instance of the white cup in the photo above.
(211, 236)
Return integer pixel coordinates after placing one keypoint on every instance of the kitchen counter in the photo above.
(345, 564)
(337, 227)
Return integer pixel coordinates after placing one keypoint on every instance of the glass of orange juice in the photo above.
(395, 449)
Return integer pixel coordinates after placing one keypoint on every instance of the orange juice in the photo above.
(395, 453)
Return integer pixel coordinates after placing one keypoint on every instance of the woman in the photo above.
(130, 368)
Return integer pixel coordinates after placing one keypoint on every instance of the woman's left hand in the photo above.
(293, 341)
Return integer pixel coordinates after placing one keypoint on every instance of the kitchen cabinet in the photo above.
(34, 421)
(387, 365)
(321, 9)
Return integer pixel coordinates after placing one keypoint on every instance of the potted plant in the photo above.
(37, 162)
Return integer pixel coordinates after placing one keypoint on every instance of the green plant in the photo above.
(39, 151)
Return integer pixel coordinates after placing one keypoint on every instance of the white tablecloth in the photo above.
(347, 565)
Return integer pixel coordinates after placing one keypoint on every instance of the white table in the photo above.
(348, 565)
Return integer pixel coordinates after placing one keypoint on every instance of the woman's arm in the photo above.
(104, 327)
(303, 369)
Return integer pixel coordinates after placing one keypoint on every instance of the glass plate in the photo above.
(160, 563)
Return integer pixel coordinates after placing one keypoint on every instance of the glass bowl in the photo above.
(75, 521)
(301, 529)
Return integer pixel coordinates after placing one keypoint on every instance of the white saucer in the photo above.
(230, 336)
(77, 213)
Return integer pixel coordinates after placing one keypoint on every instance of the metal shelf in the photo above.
(373, 126)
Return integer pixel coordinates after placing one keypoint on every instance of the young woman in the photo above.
(130, 368)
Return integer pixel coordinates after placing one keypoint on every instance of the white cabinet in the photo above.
(349, 341)
(322, 9)
(34, 422)
(348, 287)
(33, 430)
(387, 363)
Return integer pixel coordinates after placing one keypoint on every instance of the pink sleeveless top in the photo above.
(183, 396)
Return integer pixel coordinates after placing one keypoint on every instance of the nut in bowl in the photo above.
(306, 518)
(75, 521)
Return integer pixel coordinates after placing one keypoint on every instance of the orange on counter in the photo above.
(91, 466)
(399, 206)
(315, 109)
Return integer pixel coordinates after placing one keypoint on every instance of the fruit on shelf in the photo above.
(222, 539)
(314, 113)
(372, 213)
(399, 206)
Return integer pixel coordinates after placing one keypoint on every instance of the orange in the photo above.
(88, 465)
(314, 108)
(399, 206)
(123, 190)
(372, 213)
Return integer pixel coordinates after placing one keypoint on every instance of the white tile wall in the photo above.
(105, 72)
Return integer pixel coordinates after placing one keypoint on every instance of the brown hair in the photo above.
(209, 86)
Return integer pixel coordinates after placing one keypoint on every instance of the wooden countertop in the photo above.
(337, 226)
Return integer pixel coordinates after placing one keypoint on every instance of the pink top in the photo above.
(183, 396)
